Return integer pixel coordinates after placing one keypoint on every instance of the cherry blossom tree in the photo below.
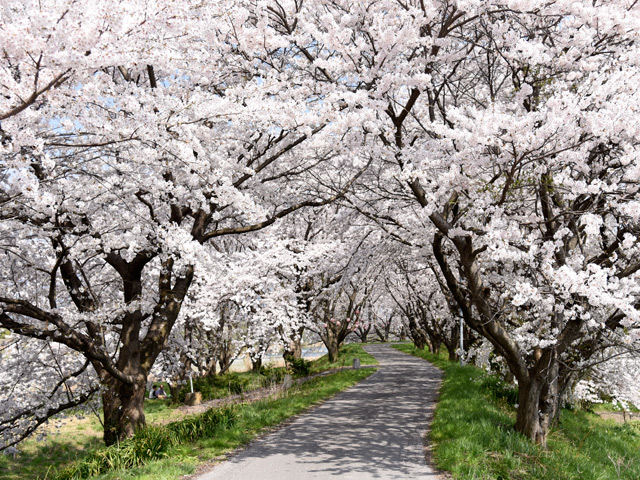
(499, 140)
(364, 327)
(505, 139)
(32, 373)
(342, 295)
(613, 377)
(133, 137)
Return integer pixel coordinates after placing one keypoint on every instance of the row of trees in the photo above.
(437, 158)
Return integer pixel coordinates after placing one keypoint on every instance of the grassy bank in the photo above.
(474, 436)
(345, 358)
(232, 383)
(81, 438)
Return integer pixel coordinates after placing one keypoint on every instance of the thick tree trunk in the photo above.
(332, 341)
(419, 342)
(528, 417)
(123, 399)
(435, 346)
(383, 334)
(293, 351)
(538, 402)
(333, 351)
(256, 364)
(123, 411)
(225, 358)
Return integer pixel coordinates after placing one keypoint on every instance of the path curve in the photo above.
(373, 430)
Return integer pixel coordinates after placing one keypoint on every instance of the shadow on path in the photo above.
(374, 430)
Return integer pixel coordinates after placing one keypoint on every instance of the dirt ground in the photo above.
(620, 417)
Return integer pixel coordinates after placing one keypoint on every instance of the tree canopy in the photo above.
(174, 171)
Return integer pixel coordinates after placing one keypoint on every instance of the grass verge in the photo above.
(474, 438)
(345, 358)
(250, 421)
(232, 383)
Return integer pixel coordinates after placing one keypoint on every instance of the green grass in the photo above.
(610, 407)
(231, 383)
(69, 443)
(346, 354)
(159, 411)
(474, 436)
(59, 448)
(251, 420)
(149, 444)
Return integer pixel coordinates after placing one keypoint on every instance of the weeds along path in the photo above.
(251, 395)
(374, 430)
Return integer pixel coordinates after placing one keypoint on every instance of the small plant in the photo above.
(235, 385)
(272, 374)
(299, 367)
(499, 389)
(147, 444)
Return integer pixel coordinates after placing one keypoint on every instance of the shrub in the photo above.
(271, 374)
(499, 389)
(235, 384)
(299, 367)
(220, 386)
(212, 387)
(147, 444)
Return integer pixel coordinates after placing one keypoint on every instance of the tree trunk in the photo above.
(383, 334)
(332, 341)
(453, 355)
(256, 364)
(419, 342)
(210, 366)
(539, 400)
(528, 418)
(402, 334)
(293, 351)
(225, 359)
(123, 411)
(173, 390)
(332, 349)
(417, 334)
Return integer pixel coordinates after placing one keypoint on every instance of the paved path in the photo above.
(374, 430)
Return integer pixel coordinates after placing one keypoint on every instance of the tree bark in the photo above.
(363, 334)
(528, 417)
(383, 333)
(417, 334)
(453, 355)
(419, 342)
(293, 350)
(333, 351)
(332, 341)
(123, 409)
(256, 364)
(224, 363)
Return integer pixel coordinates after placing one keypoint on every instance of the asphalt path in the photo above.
(374, 430)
